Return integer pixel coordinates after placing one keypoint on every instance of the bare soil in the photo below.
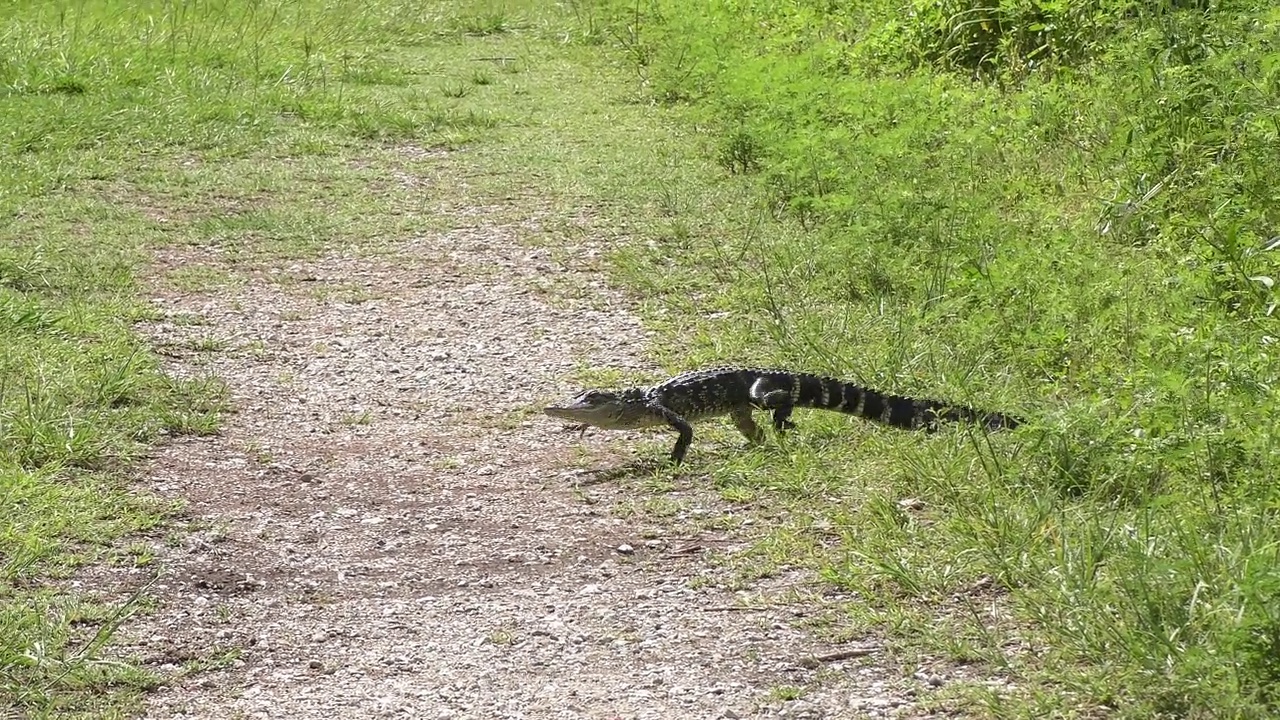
(386, 527)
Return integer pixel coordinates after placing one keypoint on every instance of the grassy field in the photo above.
(1064, 210)
(258, 132)
(1067, 214)
(128, 126)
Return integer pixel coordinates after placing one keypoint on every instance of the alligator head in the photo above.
(621, 410)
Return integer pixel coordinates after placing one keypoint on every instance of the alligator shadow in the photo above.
(628, 470)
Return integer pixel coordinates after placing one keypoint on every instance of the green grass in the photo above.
(243, 128)
(1067, 212)
(79, 394)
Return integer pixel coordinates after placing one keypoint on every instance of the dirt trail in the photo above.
(382, 529)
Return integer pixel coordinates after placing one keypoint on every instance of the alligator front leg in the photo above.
(681, 426)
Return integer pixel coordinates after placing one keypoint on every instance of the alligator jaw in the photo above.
(625, 410)
(571, 413)
(568, 413)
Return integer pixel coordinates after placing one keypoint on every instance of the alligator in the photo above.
(736, 391)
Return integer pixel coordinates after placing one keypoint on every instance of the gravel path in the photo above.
(385, 529)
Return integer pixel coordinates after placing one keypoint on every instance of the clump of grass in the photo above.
(456, 90)
(486, 18)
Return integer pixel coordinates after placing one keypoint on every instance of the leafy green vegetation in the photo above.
(1066, 210)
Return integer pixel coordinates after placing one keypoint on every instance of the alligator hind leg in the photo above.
(780, 419)
(741, 416)
(776, 399)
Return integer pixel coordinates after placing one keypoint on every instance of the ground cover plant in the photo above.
(1066, 210)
